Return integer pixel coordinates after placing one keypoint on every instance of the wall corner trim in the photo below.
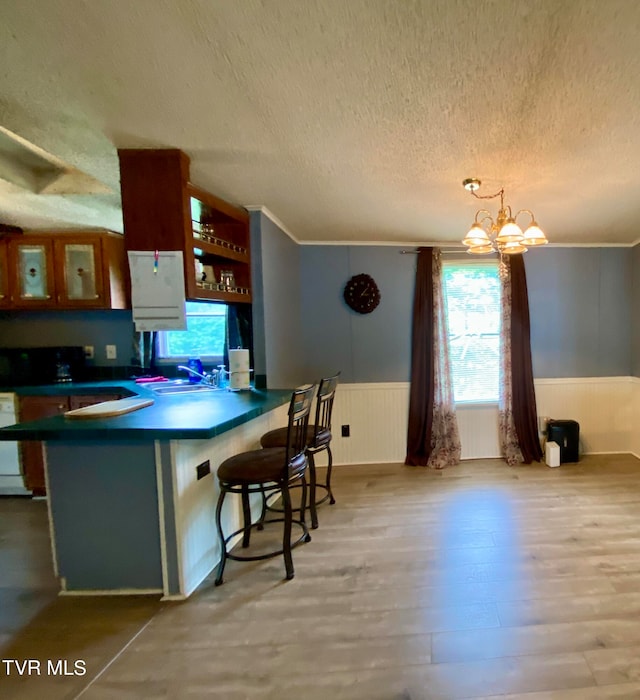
(262, 209)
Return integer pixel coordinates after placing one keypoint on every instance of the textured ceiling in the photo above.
(349, 120)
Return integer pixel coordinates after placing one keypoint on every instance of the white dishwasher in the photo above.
(11, 481)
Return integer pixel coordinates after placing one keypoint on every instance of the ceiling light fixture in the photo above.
(502, 234)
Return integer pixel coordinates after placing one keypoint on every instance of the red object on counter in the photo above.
(146, 380)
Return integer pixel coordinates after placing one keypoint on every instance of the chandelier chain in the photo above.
(499, 193)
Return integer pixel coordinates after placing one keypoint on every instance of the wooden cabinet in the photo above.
(33, 408)
(64, 270)
(91, 400)
(162, 210)
(36, 407)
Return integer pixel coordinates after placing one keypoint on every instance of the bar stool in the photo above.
(318, 439)
(263, 470)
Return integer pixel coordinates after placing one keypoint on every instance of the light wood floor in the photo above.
(481, 581)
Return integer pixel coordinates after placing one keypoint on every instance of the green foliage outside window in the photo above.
(472, 292)
(205, 335)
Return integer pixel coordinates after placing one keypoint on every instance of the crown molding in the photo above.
(455, 244)
(390, 244)
(413, 244)
(588, 245)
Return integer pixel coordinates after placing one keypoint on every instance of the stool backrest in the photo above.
(299, 410)
(324, 403)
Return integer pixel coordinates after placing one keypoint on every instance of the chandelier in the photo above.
(502, 234)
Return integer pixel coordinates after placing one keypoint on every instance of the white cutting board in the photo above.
(109, 408)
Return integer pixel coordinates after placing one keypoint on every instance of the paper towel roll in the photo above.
(238, 361)
(239, 372)
(239, 380)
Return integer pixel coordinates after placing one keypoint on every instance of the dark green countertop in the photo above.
(126, 387)
(195, 416)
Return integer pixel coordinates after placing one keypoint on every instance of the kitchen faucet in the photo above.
(211, 379)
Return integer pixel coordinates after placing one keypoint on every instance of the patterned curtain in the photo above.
(432, 437)
(517, 408)
(509, 447)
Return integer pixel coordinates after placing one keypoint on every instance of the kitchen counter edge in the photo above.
(171, 417)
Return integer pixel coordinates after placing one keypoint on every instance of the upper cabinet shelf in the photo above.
(162, 210)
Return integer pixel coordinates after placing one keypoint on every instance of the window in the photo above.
(472, 294)
(205, 335)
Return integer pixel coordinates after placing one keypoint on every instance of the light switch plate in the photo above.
(112, 353)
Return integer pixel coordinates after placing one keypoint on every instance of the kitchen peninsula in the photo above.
(132, 497)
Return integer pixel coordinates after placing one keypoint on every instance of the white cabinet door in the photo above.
(11, 481)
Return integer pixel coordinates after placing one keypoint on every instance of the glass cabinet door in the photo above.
(81, 274)
(33, 273)
(30, 267)
(80, 271)
(65, 270)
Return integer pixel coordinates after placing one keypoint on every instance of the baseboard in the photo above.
(611, 452)
(123, 591)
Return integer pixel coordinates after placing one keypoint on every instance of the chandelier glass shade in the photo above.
(501, 234)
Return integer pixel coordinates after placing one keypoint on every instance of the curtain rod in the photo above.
(415, 251)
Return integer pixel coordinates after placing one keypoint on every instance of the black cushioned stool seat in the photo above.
(318, 438)
(266, 471)
(278, 437)
(258, 466)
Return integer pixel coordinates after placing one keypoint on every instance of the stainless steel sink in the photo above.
(180, 388)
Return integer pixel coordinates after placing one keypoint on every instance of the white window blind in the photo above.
(472, 294)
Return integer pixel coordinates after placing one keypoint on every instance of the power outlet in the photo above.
(89, 352)
(112, 352)
(202, 470)
(346, 431)
(542, 424)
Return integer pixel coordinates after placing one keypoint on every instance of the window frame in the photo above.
(478, 263)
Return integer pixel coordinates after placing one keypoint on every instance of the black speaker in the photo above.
(565, 433)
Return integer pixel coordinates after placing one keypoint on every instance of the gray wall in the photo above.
(580, 305)
(372, 347)
(585, 313)
(277, 310)
(51, 328)
(580, 301)
(635, 313)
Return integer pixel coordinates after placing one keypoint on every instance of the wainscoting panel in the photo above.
(478, 428)
(601, 405)
(607, 408)
(634, 430)
(377, 416)
(195, 500)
